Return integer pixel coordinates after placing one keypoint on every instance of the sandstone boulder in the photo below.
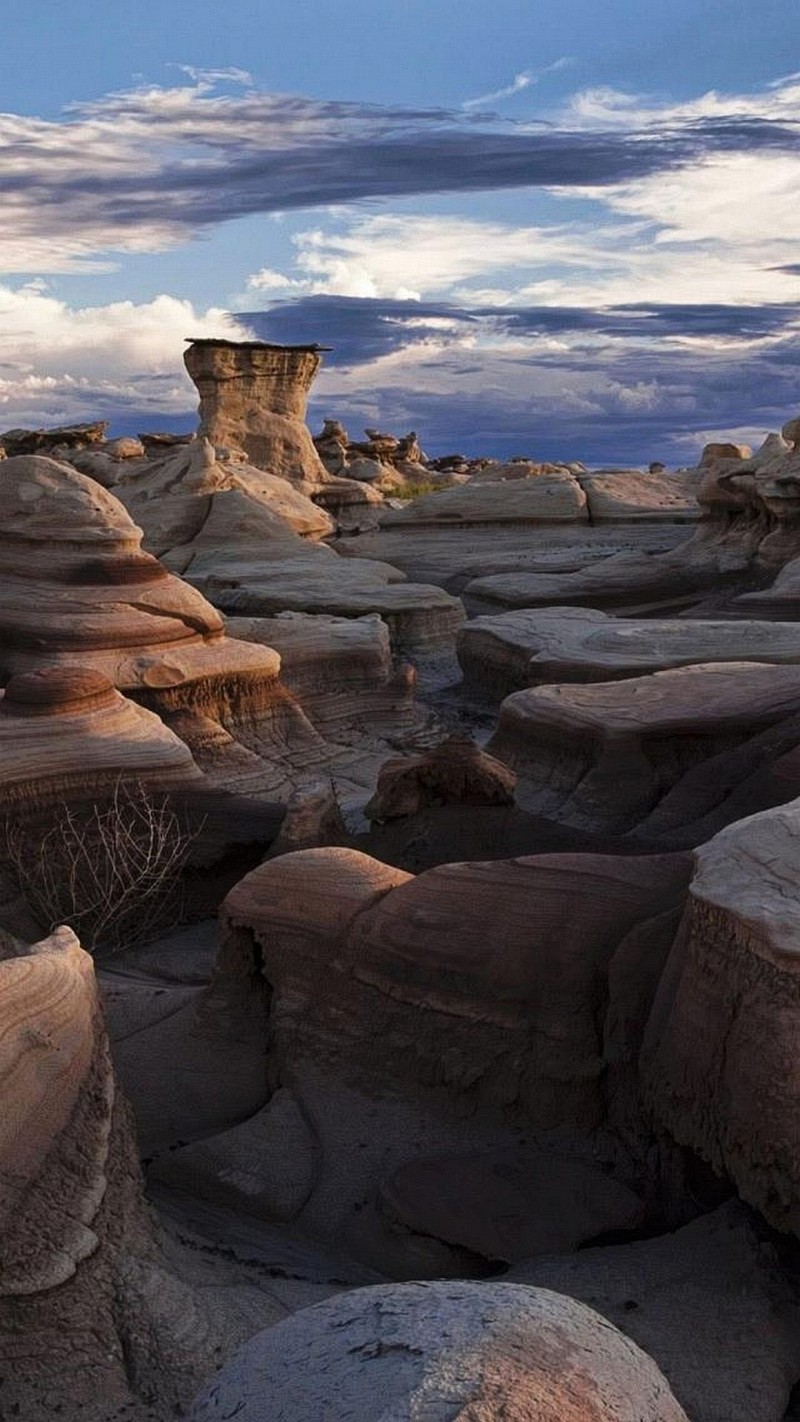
(454, 772)
(446, 1350)
(546, 498)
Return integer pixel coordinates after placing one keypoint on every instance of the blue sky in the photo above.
(559, 228)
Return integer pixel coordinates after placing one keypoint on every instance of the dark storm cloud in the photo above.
(166, 163)
(362, 328)
(629, 391)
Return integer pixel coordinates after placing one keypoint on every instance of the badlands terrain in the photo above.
(399, 925)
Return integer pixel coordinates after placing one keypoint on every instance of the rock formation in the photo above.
(79, 592)
(534, 646)
(253, 398)
(672, 756)
(454, 772)
(401, 1004)
(720, 1052)
(446, 1350)
(92, 1324)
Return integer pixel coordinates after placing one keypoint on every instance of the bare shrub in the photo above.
(110, 870)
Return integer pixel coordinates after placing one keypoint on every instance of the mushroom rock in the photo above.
(791, 432)
(253, 397)
(340, 669)
(79, 591)
(414, 1020)
(629, 756)
(454, 772)
(453, 1350)
(720, 1055)
(533, 646)
(91, 1323)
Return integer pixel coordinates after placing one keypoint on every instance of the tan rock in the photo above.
(712, 453)
(91, 1322)
(548, 498)
(628, 496)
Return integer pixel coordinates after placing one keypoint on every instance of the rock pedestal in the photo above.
(253, 397)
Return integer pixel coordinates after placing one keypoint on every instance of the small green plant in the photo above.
(111, 870)
(410, 491)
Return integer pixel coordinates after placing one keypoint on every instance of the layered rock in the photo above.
(720, 1054)
(79, 591)
(91, 1323)
(341, 670)
(667, 755)
(192, 503)
(749, 527)
(411, 1017)
(531, 647)
(66, 733)
(253, 398)
(480, 1350)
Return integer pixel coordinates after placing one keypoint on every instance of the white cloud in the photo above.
(521, 81)
(58, 362)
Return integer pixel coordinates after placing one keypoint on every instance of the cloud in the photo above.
(521, 81)
(59, 363)
(149, 168)
(623, 385)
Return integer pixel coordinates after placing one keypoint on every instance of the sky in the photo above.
(551, 228)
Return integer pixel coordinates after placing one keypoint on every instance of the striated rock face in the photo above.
(79, 592)
(628, 496)
(721, 1049)
(677, 753)
(91, 1324)
(454, 772)
(415, 1017)
(341, 670)
(750, 524)
(445, 1350)
(67, 733)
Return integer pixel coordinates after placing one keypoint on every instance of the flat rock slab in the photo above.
(510, 1205)
(452, 556)
(625, 581)
(603, 755)
(546, 498)
(537, 646)
(630, 496)
(417, 616)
